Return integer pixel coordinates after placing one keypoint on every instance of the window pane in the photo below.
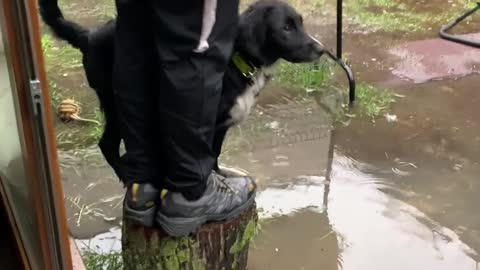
(12, 167)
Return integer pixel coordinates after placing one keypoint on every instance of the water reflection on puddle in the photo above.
(359, 227)
(288, 199)
(380, 232)
(362, 228)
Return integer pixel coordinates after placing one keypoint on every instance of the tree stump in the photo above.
(214, 246)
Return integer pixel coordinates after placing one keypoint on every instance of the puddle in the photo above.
(426, 60)
(403, 194)
(353, 224)
(93, 195)
(436, 147)
(361, 227)
(388, 233)
(403, 189)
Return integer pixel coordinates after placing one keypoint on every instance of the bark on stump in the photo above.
(214, 246)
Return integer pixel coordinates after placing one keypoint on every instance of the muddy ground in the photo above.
(402, 190)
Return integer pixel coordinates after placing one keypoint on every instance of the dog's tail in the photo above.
(69, 31)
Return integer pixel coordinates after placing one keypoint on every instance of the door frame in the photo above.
(35, 121)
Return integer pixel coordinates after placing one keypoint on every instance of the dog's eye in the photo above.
(288, 27)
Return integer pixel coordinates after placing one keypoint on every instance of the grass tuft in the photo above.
(102, 261)
(95, 132)
(308, 77)
(373, 101)
(396, 15)
(316, 79)
(60, 57)
(64, 64)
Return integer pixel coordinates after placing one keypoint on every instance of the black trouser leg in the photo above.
(191, 84)
(191, 91)
(135, 95)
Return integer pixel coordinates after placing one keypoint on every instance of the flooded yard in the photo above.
(394, 190)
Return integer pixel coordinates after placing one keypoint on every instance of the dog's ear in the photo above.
(253, 29)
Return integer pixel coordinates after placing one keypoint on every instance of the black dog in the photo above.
(269, 30)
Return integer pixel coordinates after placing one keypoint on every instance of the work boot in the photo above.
(223, 199)
(141, 203)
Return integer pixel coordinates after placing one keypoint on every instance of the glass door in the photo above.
(30, 186)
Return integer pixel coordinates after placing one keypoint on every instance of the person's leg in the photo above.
(191, 82)
(135, 104)
(193, 59)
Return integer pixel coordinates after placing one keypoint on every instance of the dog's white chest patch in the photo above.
(244, 103)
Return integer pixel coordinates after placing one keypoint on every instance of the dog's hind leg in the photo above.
(110, 145)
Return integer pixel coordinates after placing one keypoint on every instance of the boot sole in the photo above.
(177, 227)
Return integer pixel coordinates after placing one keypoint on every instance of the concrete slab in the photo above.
(77, 260)
(436, 59)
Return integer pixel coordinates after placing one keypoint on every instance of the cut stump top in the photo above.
(214, 246)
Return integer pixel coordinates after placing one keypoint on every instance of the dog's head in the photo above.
(270, 30)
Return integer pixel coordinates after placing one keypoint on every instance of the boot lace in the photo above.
(223, 186)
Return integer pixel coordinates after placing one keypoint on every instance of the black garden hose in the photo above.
(338, 57)
(444, 30)
(350, 76)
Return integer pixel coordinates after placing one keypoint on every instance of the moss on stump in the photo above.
(214, 246)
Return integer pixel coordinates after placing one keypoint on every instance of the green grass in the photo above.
(80, 135)
(96, 131)
(388, 15)
(63, 62)
(81, 10)
(55, 93)
(306, 8)
(373, 101)
(396, 15)
(317, 79)
(306, 77)
(60, 57)
(102, 261)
